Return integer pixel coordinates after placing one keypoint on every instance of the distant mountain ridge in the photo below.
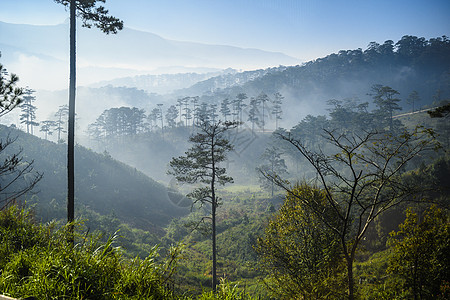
(410, 64)
(130, 52)
(163, 83)
(229, 80)
(182, 84)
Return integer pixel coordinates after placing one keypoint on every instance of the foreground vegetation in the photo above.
(37, 260)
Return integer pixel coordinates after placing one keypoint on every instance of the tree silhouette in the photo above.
(47, 127)
(253, 113)
(202, 165)
(61, 115)
(10, 94)
(90, 14)
(160, 117)
(28, 115)
(412, 99)
(273, 165)
(276, 110)
(263, 98)
(171, 116)
(225, 108)
(385, 99)
(238, 106)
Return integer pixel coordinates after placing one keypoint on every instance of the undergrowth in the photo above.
(37, 260)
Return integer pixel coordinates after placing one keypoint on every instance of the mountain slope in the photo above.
(102, 184)
(163, 83)
(410, 64)
(224, 81)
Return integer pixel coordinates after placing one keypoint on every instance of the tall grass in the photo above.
(36, 260)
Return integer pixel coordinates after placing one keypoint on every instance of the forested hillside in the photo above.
(103, 185)
(410, 64)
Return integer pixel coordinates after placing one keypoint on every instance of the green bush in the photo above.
(18, 232)
(38, 261)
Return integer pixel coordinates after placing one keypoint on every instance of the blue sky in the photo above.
(305, 29)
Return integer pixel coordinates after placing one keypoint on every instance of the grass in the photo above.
(36, 260)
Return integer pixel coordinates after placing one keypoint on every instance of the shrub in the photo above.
(38, 261)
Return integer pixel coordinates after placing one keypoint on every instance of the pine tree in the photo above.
(171, 116)
(61, 121)
(10, 94)
(225, 108)
(276, 110)
(28, 116)
(273, 166)
(263, 98)
(253, 113)
(238, 106)
(412, 99)
(13, 169)
(47, 127)
(160, 117)
(385, 99)
(202, 165)
(91, 14)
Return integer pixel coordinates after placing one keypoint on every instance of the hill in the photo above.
(410, 64)
(163, 83)
(102, 185)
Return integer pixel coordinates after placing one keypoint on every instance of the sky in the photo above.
(305, 29)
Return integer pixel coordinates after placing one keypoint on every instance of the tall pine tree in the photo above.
(90, 14)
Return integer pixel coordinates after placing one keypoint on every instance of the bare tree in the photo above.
(17, 176)
(362, 178)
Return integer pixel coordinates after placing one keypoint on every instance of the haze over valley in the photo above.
(224, 150)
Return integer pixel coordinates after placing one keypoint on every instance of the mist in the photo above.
(195, 159)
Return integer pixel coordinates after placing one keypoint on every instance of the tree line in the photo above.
(254, 112)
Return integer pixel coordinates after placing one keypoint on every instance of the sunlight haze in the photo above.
(304, 29)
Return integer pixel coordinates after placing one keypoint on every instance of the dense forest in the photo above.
(350, 201)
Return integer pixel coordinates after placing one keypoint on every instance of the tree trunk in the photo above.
(263, 118)
(350, 278)
(213, 221)
(272, 178)
(71, 133)
(214, 249)
(349, 255)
